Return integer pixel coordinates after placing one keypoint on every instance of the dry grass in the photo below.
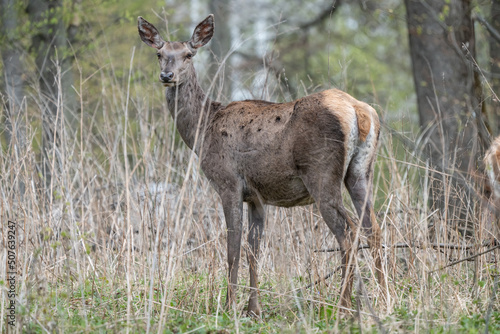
(130, 236)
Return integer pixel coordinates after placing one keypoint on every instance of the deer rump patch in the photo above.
(364, 122)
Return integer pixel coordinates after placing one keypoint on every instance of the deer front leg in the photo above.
(232, 204)
(256, 216)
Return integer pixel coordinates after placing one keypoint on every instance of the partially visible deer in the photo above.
(492, 188)
(282, 154)
(492, 164)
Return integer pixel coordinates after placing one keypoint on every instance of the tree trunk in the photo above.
(441, 35)
(48, 45)
(13, 71)
(220, 46)
(14, 84)
(495, 62)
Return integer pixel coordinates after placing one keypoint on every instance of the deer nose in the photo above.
(166, 77)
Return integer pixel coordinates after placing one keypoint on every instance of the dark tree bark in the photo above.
(11, 53)
(442, 44)
(494, 44)
(220, 46)
(51, 45)
(48, 45)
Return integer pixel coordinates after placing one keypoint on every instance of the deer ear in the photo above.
(149, 34)
(202, 33)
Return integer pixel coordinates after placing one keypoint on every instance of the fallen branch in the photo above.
(405, 245)
(466, 259)
(495, 243)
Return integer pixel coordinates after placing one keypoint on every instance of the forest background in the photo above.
(117, 227)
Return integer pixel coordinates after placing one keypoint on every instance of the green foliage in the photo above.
(358, 51)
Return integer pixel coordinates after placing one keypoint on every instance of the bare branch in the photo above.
(467, 258)
(492, 31)
(406, 245)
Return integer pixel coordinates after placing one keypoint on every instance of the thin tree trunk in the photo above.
(14, 85)
(13, 71)
(220, 46)
(441, 35)
(495, 62)
(71, 105)
(48, 44)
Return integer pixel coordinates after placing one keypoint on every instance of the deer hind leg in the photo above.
(256, 216)
(328, 197)
(359, 188)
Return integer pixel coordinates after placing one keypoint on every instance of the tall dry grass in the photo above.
(130, 236)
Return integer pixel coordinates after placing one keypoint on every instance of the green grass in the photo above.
(100, 306)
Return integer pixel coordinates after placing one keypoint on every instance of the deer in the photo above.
(491, 203)
(280, 154)
(492, 167)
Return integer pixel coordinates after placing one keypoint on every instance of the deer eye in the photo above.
(189, 56)
(158, 55)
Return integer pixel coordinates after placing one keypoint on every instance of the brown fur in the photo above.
(492, 165)
(491, 190)
(363, 122)
(282, 154)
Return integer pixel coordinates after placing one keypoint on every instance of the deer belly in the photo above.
(278, 190)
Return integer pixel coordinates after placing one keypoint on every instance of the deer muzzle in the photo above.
(167, 78)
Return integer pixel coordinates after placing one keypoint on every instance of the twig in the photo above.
(493, 32)
(405, 245)
(193, 249)
(467, 258)
(319, 280)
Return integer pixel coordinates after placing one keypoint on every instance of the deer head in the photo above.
(175, 57)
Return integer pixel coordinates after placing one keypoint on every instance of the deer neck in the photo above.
(188, 102)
